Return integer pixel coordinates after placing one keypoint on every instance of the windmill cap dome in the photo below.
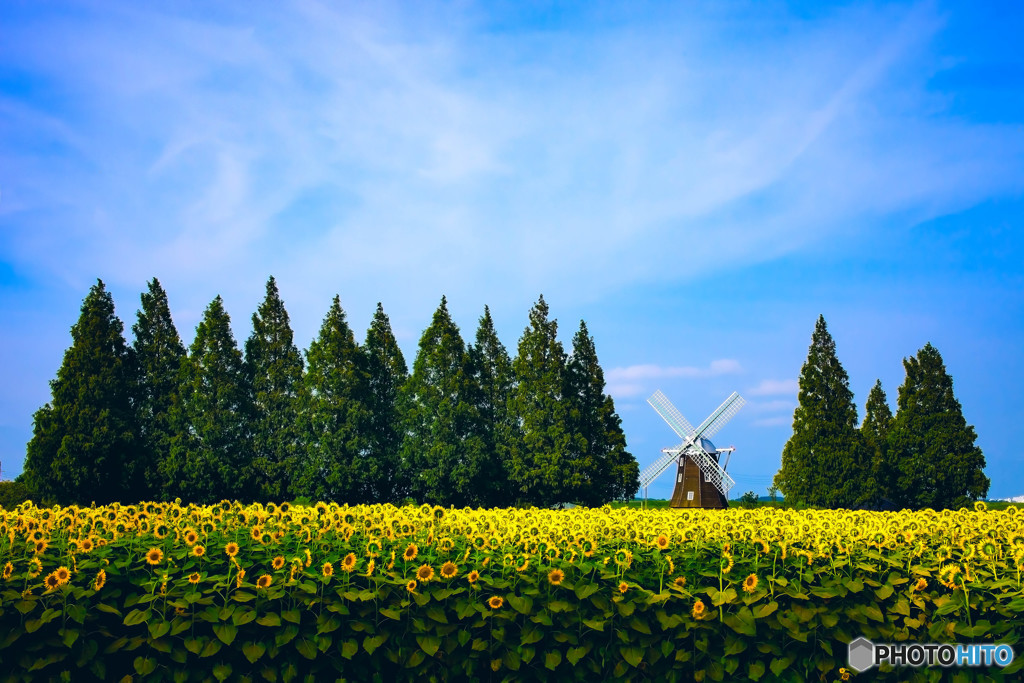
(708, 447)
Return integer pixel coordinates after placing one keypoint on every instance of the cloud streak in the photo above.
(633, 380)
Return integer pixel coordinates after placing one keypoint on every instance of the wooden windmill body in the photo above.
(701, 479)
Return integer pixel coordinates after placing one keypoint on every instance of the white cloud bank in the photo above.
(775, 387)
(634, 380)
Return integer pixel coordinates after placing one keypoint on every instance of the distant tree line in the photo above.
(924, 456)
(344, 422)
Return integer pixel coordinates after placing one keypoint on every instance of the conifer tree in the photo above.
(439, 449)
(211, 455)
(535, 462)
(490, 374)
(931, 445)
(875, 432)
(85, 440)
(386, 480)
(335, 417)
(274, 369)
(825, 461)
(159, 352)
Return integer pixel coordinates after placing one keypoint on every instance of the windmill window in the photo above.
(707, 476)
(689, 495)
(680, 478)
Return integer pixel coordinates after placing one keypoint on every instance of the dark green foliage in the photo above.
(930, 443)
(441, 449)
(274, 370)
(211, 455)
(13, 493)
(335, 417)
(85, 441)
(825, 462)
(490, 372)
(875, 432)
(159, 352)
(596, 466)
(387, 372)
(536, 466)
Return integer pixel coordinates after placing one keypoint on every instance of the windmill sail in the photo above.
(691, 446)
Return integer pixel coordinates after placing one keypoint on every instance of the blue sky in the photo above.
(698, 181)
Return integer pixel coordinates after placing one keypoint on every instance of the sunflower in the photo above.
(496, 602)
(154, 556)
(240, 579)
(278, 562)
(623, 557)
(8, 570)
(661, 542)
(425, 573)
(445, 545)
(411, 586)
(449, 570)
(680, 582)
(726, 562)
(63, 575)
(410, 552)
(327, 570)
(263, 581)
(524, 565)
(101, 580)
(231, 549)
(473, 576)
(51, 581)
(40, 547)
(349, 563)
(698, 609)
(191, 537)
(256, 533)
(921, 584)
(750, 583)
(555, 577)
(86, 545)
(194, 578)
(370, 566)
(623, 586)
(198, 550)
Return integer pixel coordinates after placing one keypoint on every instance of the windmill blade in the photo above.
(712, 470)
(660, 465)
(669, 414)
(722, 414)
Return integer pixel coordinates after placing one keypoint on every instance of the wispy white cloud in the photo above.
(775, 387)
(465, 159)
(779, 421)
(633, 380)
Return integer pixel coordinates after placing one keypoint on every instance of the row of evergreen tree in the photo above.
(923, 456)
(347, 422)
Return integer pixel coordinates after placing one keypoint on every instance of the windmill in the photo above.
(701, 480)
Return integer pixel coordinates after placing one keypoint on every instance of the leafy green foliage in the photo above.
(211, 452)
(932, 447)
(875, 432)
(335, 416)
(825, 460)
(84, 441)
(274, 372)
(597, 466)
(386, 479)
(440, 449)
(159, 354)
(490, 390)
(536, 467)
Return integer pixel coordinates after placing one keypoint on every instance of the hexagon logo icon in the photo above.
(862, 654)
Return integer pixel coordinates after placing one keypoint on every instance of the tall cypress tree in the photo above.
(596, 457)
(825, 461)
(274, 369)
(875, 432)
(159, 352)
(211, 455)
(535, 461)
(85, 441)
(931, 445)
(386, 479)
(439, 448)
(490, 373)
(335, 417)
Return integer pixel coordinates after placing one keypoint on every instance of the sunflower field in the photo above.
(165, 591)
